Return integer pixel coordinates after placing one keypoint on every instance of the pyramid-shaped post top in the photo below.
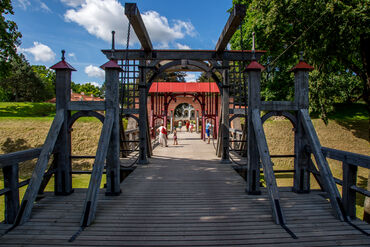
(111, 64)
(302, 66)
(254, 65)
(63, 64)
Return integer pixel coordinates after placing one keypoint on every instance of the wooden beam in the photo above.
(133, 14)
(41, 165)
(86, 106)
(326, 175)
(279, 106)
(236, 17)
(91, 200)
(20, 156)
(267, 168)
(183, 54)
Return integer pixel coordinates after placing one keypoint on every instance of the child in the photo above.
(175, 137)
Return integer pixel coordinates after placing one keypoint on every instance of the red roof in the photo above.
(184, 87)
(303, 66)
(254, 65)
(62, 65)
(79, 97)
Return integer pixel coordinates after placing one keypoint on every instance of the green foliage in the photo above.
(10, 37)
(87, 89)
(178, 76)
(23, 84)
(333, 34)
(11, 109)
(48, 79)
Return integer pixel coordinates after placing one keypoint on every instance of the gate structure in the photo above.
(240, 97)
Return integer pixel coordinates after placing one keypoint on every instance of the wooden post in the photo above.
(225, 115)
(112, 103)
(63, 176)
(349, 195)
(12, 196)
(254, 101)
(171, 121)
(143, 152)
(302, 158)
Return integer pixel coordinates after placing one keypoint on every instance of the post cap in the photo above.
(63, 64)
(302, 66)
(254, 65)
(111, 64)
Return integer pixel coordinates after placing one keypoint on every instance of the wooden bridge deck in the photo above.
(185, 197)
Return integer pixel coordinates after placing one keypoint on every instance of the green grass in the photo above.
(26, 109)
(355, 111)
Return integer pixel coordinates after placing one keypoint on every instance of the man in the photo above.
(208, 130)
(162, 135)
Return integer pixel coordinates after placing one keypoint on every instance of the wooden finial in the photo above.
(113, 41)
(301, 56)
(63, 57)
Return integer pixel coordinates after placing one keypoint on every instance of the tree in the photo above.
(178, 76)
(87, 89)
(334, 35)
(22, 83)
(10, 37)
(47, 77)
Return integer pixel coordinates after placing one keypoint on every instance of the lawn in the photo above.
(347, 130)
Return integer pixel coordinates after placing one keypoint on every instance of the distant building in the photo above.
(79, 97)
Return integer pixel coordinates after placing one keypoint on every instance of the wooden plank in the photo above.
(267, 168)
(225, 115)
(86, 106)
(349, 196)
(41, 165)
(235, 19)
(350, 158)
(91, 200)
(326, 175)
(12, 196)
(182, 54)
(278, 106)
(133, 14)
(17, 157)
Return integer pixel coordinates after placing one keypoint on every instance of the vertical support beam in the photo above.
(165, 112)
(302, 158)
(349, 195)
(171, 121)
(254, 103)
(225, 114)
(113, 164)
(143, 152)
(11, 197)
(63, 176)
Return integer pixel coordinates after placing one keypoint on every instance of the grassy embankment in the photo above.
(348, 130)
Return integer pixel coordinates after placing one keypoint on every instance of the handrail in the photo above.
(350, 163)
(14, 158)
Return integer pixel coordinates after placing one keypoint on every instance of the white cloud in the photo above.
(191, 77)
(45, 7)
(72, 55)
(93, 71)
(93, 83)
(182, 47)
(23, 4)
(73, 3)
(100, 17)
(40, 52)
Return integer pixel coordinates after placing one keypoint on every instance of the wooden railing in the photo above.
(10, 166)
(9, 163)
(350, 162)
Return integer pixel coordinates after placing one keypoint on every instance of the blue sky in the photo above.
(83, 28)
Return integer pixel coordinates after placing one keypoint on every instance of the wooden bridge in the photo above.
(185, 197)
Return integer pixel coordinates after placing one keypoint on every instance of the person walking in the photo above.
(187, 126)
(180, 125)
(208, 130)
(175, 137)
(162, 135)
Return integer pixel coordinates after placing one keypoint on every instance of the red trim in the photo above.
(111, 64)
(184, 87)
(62, 65)
(254, 65)
(303, 66)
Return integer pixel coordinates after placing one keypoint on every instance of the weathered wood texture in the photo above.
(91, 200)
(86, 106)
(325, 172)
(236, 17)
(267, 166)
(225, 115)
(41, 165)
(185, 198)
(182, 54)
(20, 156)
(133, 14)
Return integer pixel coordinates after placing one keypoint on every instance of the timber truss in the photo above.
(240, 96)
